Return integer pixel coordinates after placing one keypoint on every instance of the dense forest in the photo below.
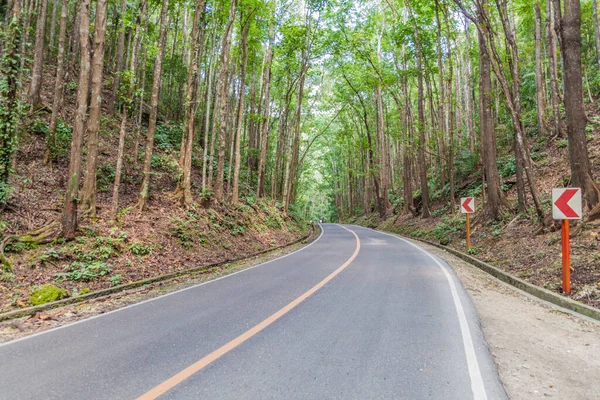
(322, 110)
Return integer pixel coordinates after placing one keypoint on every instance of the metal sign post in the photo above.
(566, 205)
(467, 206)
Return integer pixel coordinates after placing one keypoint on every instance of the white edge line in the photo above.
(162, 296)
(477, 385)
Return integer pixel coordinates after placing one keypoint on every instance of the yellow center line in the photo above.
(208, 359)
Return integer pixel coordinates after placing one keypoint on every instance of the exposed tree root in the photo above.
(45, 234)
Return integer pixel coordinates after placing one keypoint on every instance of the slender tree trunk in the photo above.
(88, 195)
(59, 82)
(145, 188)
(495, 198)
(581, 174)
(208, 103)
(9, 97)
(426, 213)
(50, 46)
(264, 128)
(240, 113)
(69, 215)
(189, 125)
(539, 78)
(222, 102)
(119, 61)
(596, 30)
(553, 67)
(129, 98)
(38, 56)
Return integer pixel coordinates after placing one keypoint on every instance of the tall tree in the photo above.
(157, 79)
(69, 214)
(10, 106)
(131, 85)
(222, 102)
(240, 113)
(38, 56)
(581, 174)
(191, 105)
(88, 195)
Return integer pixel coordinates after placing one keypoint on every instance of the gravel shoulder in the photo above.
(540, 350)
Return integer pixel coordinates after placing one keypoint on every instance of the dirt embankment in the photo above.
(516, 242)
(164, 238)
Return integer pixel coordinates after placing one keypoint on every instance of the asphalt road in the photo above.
(358, 314)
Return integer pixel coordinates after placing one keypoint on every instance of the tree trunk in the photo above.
(553, 66)
(119, 62)
(50, 46)
(9, 97)
(59, 82)
(539, 78)
(264, 128)
(426, 213)
(596, 31)
(222, 102)
(189, 125)
(88, 195)
(69, 215)
(495, 198)
(210, 72)
(240, 113)
(145, 187)
(38, 56)
(581, 174)
(128, 99)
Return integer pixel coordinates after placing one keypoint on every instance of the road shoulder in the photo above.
(540, 351)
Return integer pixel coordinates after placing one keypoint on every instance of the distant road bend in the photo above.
(358, 314)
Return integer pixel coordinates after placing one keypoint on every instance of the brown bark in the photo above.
(553, 69)
(191, 105)
(495, 196)
(596, 31)
(264, 128)
(581, 174)
(59, 82)
(145, 187)
(426, 213)
(539, 78)
(38, 56)
(240, 114)
(129, 98)
(69, 215)
(119, 61)
(88, 195)
(222, 102)
(50, 46)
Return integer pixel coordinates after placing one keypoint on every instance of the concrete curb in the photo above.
(527, 287)
(161, 278)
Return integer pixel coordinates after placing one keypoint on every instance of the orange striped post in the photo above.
(566, 257)
(468, 231)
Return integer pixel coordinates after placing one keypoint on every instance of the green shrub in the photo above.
(59, 143)
(115, 280)
(79, 271)
(47, 293)
(105, 177)
(140, 250)
(509, 167)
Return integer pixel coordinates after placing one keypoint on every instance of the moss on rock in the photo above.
(47, 293)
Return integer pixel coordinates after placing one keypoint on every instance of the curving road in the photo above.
(357, 314)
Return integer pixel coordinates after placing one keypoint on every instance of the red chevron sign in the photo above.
(467, 205)
(566, 203)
